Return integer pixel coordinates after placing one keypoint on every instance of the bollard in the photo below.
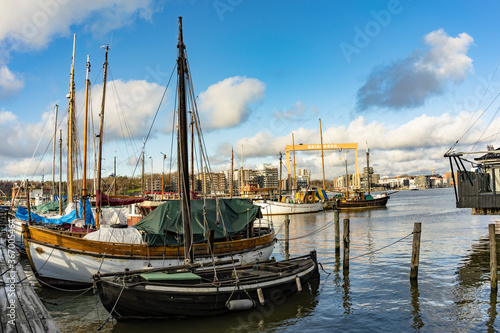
(337, 233)
(287, 237)
(493, 257)
(415, 254)
(346, 244)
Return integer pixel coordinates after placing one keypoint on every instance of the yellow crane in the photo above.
(326, 146)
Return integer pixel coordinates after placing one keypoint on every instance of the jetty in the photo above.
(21, 310)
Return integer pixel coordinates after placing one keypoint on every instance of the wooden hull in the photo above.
(371, 203)
(170, 300)
(282, 208)
(59, 259)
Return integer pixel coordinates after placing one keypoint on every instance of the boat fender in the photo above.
(299, 285)
(310, 198)
(119, 226)
(261, 296)
(240, 304)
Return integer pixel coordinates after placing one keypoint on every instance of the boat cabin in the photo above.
(479, 188)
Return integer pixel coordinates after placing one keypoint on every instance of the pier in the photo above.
(21, 310)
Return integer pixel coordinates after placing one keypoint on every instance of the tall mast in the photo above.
(232, 167)
(368, 180)
(101, 124)
(71, 125)
(84, 176)
(183, 166)
(143, 184)
(192, 151)
(60, 172)
(322, 154)
(294, 173)
(52, 189)
(279, 183)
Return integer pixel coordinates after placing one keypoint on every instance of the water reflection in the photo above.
(279, 314)
(415, 303)
(492, 312)
(346, 297)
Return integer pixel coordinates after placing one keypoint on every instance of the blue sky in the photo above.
(407, 77)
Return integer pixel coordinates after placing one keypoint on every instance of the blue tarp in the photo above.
(90, 217)
(22, 214)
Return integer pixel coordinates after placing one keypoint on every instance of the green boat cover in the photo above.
(52, 206)
(161, 276)
(234, 215)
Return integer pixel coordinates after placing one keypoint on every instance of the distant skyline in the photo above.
(405, 78)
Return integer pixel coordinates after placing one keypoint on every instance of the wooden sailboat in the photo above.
(235, 232)
(188, 290)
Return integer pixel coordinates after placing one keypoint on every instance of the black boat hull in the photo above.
(154, 300)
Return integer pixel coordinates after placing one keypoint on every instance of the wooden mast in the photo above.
(294, 189)
(60, 172)
(183, 166)
(84, 176)
(52, 188)
(368, 180)
(99, 159)
(322, 154)
(71, 125)
(232, 168)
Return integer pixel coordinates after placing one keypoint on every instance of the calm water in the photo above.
(375, 295)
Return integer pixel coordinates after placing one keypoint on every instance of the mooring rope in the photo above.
(113, 309)
(376, 250)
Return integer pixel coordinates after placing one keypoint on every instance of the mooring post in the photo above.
(287, 237)
(415, 254)
(337, 233)
(493, 257)
(346, 244)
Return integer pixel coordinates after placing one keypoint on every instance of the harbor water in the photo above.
(374, 295)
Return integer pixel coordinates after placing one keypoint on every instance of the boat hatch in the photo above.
(184, 278)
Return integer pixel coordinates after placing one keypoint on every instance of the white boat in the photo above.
(304, 202)
(283, 208)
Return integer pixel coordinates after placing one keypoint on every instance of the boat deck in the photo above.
(20, 308)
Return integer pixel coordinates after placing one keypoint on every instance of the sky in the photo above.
(408, 79)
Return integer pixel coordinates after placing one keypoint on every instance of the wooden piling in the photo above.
(415, 254)
(337, 233)
(493, 257)
(287, 237)
(346, 244)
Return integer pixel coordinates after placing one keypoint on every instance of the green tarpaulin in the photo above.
(234, 216)
(52, 206)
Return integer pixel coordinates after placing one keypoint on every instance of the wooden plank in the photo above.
(30, 314)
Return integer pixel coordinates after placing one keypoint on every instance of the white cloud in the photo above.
(9, 83)
(415, 147)
(410, 82)
(130, 107)
(31, 25)
(447, 56)
(228, 102)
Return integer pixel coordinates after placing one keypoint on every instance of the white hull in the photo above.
(18, 233)
(72, 267)
(282, 208)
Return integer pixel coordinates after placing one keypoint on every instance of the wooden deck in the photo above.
(21, 310)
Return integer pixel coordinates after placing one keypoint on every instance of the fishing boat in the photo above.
(187, 291)
(305, 201)
(218, 229)
(358, 198)
(361, 199)
(298, 202)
